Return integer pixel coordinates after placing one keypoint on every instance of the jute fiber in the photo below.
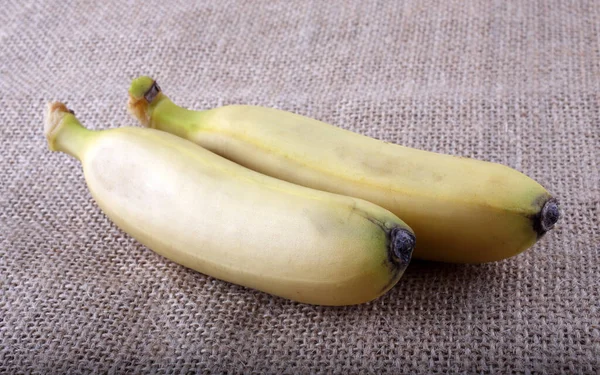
(515, 82)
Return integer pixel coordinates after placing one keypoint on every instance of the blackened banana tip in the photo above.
(545, 219)
(549, 215)
(152, 92)
(402, 244)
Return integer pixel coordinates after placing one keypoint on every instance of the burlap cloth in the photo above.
(515, 82)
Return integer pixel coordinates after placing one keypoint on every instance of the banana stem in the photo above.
(64, 132)
(165, 115)
(153, 109)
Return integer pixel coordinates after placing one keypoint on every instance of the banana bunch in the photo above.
(292, 206)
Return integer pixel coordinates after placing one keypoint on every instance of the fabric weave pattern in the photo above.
(515, 82)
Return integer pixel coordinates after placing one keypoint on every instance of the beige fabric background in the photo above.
(516, 82)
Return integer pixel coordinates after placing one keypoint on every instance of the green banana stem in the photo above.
(145, 97)
(64, 132)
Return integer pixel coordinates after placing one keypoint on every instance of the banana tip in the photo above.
(402, 245)
(548, 216)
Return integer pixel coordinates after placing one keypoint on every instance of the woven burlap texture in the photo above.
(515, 82)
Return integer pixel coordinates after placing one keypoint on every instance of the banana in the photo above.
(462, 210)
(219, 218)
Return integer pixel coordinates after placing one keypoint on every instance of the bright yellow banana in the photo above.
(217, 217)
(462, 210)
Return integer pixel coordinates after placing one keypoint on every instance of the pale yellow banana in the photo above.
(462, 210)
(219, 218)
